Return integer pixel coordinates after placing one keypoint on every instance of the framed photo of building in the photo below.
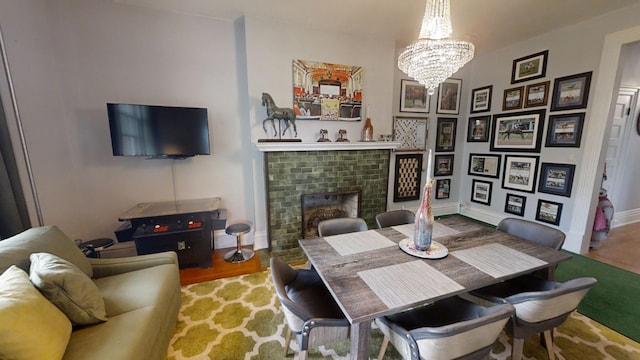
(556, 179)
(518, 132)
(443, 187)
(549, 212)
(529, 67)
(512, 98)
(449, 96)
(520, 173)
(446, 134)
(478, 129)
(443, 165)
(537, 94)
(484, 165)
(515, 204)
(413, 97)
(565, 130)
(408, 179)
(481, 99)
(571, 92)
(481, 191)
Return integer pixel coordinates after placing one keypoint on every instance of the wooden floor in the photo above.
(621, 248)
(220, 269)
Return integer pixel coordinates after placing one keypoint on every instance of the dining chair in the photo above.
(395, 217)
(533, 231)
(452, 328)
(541, 305)
(309, 309)
(339, 226)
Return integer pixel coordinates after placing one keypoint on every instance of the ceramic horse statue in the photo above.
(275, 113)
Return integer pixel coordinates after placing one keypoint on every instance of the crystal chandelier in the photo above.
(434, 57)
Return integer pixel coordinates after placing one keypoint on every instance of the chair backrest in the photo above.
(282, 274)
(395, 217)
(532, 231)
(562, 299)
(341, 226)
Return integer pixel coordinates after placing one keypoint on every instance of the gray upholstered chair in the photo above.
(532, 231)
(309, 309)
(541, 305)
(395, 217)
(341, 226)
(452, 328)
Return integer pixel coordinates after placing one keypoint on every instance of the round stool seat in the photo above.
(239, 254)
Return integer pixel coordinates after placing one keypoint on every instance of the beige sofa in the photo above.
(141, 296)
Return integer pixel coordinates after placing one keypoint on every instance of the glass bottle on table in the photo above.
(423, 231)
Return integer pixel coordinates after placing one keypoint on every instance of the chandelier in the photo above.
(434, 57)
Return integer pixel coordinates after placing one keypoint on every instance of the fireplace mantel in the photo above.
(326, 146)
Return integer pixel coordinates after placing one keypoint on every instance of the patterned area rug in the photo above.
(240, 318)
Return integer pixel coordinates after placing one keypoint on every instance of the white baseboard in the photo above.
(480, 214)
(625, 217)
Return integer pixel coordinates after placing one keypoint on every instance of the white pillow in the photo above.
(30, 326)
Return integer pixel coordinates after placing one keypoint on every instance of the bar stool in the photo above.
(239, 254)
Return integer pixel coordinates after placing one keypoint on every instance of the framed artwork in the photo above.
(449, 96)
(446, 134)
(529, 67)
(413, 97)
(478, 128)
(481, 191)
(518, 132)
(549, 212)
(515, 204)
(536, 94)
(408, 179)
(324, 91)
(556, 179)
(442, 188)
(484, 165)
(520, 173)
(444, 165)
(571, 92)
(512, 98)
(481, 99)
(411, 132)
(565, 130)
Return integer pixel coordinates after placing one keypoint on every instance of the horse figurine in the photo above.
(275, 113)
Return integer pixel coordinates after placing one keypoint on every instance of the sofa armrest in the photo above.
(115, 266)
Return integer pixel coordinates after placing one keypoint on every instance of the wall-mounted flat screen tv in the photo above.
(158, 131)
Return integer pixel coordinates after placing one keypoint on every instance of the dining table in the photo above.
(377, 272)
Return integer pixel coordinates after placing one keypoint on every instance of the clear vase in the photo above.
(423, 231)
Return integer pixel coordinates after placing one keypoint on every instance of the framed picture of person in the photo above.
(481, 191)
(536, 94)
(481, 99)
(446, 134)
(549, 212)
(443, 187)
(518, 132)
(449, 96)
(443, 165)
(565, 130)
(478, 128)
(487, 165)
(520, 173)
(571, 92)
(515, 204)
(529, 67)
(556, 179)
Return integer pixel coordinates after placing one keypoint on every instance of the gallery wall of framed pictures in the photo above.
(533, 113)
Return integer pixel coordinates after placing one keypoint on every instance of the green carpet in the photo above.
(613, 302)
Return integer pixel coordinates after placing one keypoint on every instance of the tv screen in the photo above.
(158, 131)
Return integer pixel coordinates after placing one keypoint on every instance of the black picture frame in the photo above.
(481, 99)
(537, 95)
(571, 92)
(481, 191)
(478, 128)
(407, 177)
(549, 212)
(529, 67)
(413, 97)
(443, 165)
(565, 130)
(556, 179)
(487, 165)
(446, 134)
(518, 131)
(515, 204)
(443, 188)
(449, 94)
(520, 173)
(513, 98)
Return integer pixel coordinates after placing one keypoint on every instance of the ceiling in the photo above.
(489, 24)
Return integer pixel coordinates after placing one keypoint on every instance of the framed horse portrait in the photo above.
(324, 91)
(518, 132)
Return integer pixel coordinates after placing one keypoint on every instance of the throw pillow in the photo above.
(68, 288)
(30, 326)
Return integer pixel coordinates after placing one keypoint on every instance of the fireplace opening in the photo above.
(328, 205)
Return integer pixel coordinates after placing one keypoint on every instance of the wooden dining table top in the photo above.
(369, 281)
